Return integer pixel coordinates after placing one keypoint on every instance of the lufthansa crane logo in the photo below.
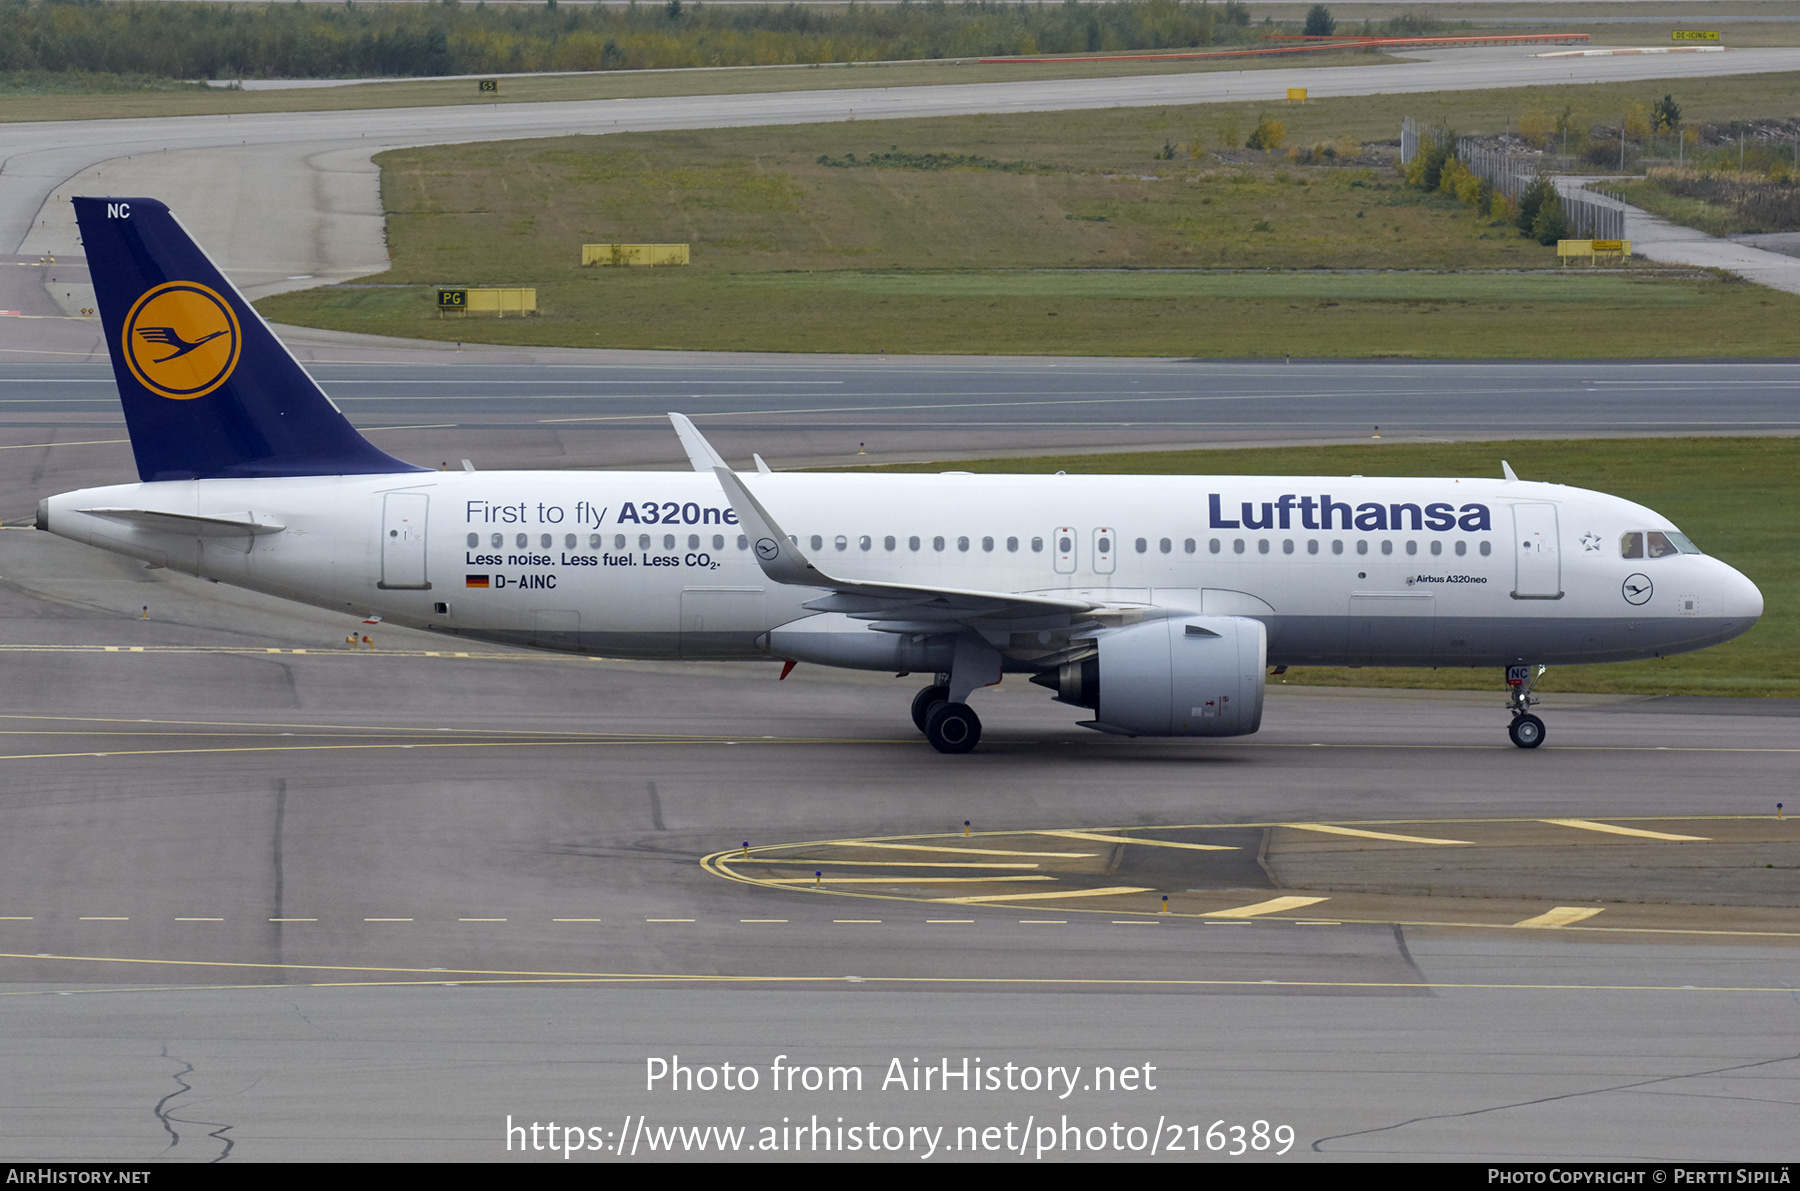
(181, 340)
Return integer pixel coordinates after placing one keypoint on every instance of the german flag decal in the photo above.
(475, 580)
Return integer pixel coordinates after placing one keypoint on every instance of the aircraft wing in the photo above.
(700, 453)
(893, 606)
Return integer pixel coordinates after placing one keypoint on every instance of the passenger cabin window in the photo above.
(618, 541)
(1165, 545)
(520, 541)
(1037, 545)
(1188, 545)
(1012, 545)
(474, 540)
(544, 541)
(594, 541)
(668, 541)
(718, 541)
(568, 541)
(866, 542)
(497, 541)
(987, 544)
(888, 542)
(643, 541)
(912, 543)
(962, 544)
(1141, 545)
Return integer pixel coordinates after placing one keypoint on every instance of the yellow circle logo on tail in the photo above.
(181, 340)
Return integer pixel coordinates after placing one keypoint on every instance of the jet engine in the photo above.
(1192, 676)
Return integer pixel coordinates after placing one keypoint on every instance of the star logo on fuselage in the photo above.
(1590, 542)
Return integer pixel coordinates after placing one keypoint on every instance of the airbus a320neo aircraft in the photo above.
(1157, 602)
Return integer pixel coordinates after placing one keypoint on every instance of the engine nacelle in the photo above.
(1190, 676)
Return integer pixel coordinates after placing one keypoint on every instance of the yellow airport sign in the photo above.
(1695, 35)
(1296, 94)
(496, 301)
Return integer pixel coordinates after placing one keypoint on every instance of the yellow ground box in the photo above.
(1567, 250)
(488, 301)
(1296, 94)
(634, 254)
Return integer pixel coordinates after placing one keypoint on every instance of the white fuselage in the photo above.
(1342, 570)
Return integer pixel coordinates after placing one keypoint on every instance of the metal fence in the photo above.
(1591, 216)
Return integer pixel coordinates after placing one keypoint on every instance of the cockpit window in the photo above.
(1655, 544)
(1662, 545)
(1681, 543)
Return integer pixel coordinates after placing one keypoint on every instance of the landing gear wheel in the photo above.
(925, 700)
(1527, 731)
(953, 728)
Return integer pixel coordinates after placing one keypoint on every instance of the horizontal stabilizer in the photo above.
(212, 526)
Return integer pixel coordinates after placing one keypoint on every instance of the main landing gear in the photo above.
(1526, 730)
(950, 727)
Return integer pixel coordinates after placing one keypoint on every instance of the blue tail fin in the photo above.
(208, 390)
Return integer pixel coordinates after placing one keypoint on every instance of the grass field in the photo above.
(1048, 240)
(1733, 496)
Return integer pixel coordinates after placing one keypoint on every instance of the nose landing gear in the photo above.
(1526, 729)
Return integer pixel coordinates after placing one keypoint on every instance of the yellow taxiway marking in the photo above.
(1272, 906)
(481, 920)
(1590, 825)
(1561, 916)
(981, 864)
(437, 976)
(387, 920)
(762, 920)
(1110, 891)
(104, 919)
(1135, 922)
(293, 920)
(575, 920)
(1132, 839)
(949, 921)
(86, 442)
(15, 918)
(1043, 922)
(898, 879)
(199, 920)
(1330, 829)
(668, 920)
(856, 843)
(856, 922)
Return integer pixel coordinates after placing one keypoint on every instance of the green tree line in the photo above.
(177, 40)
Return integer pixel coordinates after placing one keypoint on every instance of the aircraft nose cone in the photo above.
(1739, 598)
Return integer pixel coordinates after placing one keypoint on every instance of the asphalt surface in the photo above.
(265, 897)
